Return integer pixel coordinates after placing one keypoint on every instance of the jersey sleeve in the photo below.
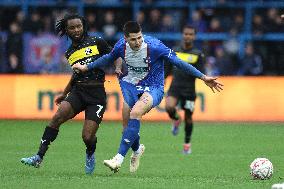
(107, 59)
(170, 57)
(103, 46)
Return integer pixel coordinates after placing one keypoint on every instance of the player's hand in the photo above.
(212, 83)
(118, 72)
(79, 68)
(59, 99)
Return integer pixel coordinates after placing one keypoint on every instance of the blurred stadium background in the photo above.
(243, 41)
(239, 38)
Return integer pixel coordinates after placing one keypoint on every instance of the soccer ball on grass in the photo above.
(261, 168)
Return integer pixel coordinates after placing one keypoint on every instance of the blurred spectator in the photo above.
(223, 62)
(47, 24)
(140, 18)
(198, 22)
(33, 23)
(258, 27)
(215, 27)
(14, 49)
(273, 20)
(109, 28)
(232, 44)
(20, 18)
(251, 63)
(210, 67)
(167, 24)
(91, 19)
(238, 23)
(154, 24)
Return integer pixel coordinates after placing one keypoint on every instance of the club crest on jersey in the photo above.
(190, 58)
(88, 51)
(147, 60)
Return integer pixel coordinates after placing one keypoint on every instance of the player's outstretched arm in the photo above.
(100, 62)
(63, 95)
(209, 81)
(212, 83)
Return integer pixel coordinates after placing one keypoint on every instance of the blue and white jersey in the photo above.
(137, 64)
(145, 67)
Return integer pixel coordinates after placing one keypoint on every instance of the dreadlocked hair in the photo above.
(61, 25)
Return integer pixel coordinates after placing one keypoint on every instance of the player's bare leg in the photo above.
(171, 103)
(89, 137)
(64, 113)
(141, 107)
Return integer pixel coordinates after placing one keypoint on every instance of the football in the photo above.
(261, 168)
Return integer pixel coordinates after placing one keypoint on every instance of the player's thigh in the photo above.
(129, 93)
(172, 97)
(75, 100)
(171, 102)
(64, 112)
(142, 106)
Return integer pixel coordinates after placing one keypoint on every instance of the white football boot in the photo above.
(135, 158)
(113, 164)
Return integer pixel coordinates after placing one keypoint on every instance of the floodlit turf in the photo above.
(221, 156)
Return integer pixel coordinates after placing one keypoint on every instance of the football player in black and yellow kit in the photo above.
(182, 88)
(84, 92)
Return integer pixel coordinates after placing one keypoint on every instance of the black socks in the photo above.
(49, 136)
(188, 131)
(91, 146)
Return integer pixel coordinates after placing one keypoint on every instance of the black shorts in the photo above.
(91, 99)
(186, 99)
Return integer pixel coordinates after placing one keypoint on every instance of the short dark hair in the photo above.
(189, 26)
(60, 27)
(131, 27)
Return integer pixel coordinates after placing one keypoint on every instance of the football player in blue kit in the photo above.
(142, 85)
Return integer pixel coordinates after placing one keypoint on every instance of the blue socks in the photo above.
(130, 137)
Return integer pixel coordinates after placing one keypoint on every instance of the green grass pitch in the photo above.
(221, 156)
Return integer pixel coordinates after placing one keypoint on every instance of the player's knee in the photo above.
(58, 118)
(171, 111)
(135, 114)
(188, 120)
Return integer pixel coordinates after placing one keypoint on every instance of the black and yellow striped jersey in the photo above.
(181, 80)
(88, 50)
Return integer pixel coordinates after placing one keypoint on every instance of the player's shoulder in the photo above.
(120, 43)
(177, 48)
(94, 39)
(154, 43)
(198, 52)
(152, 40)
(68, 52)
